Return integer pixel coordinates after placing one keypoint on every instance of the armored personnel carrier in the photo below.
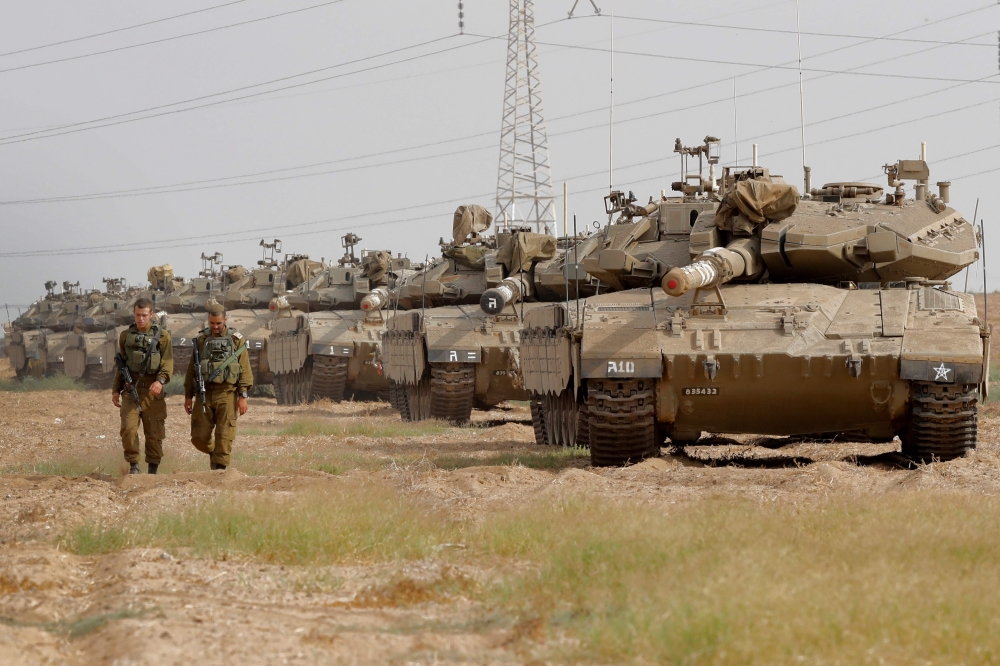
(826, 316)
(446, 355)
(328, 350)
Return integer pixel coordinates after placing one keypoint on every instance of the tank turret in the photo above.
(846, 232)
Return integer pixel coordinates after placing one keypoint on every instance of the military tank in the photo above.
(447, 356)
(25, 336)
(830, 315)
(91, 345)
(326, 334)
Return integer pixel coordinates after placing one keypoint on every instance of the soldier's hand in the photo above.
(116, 399)
(241, 404)
(188, 405)
(155, 389)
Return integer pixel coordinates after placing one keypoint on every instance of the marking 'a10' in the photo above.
(621, 367)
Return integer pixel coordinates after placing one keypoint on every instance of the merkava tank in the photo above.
(328, 329)
(61, 323)
(25, 336)
(456, 348)
(246, 293)
(828, 316)
(92, 345)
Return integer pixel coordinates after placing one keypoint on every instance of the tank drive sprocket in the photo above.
(562, 419)
(329, 377)
(622, 422)
(414, 400)
(453, 391)
(943, 422)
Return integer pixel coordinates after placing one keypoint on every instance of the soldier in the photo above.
(225, 369)
(149, 357)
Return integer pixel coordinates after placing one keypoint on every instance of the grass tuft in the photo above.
(54, 383)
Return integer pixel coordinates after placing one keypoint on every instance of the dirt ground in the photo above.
(61, 467)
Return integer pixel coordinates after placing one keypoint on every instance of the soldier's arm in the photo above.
(118, 385)
(166, 359)
(245, 382)
(189, 377)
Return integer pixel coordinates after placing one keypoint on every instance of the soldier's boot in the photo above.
(215, 466)
(152, 468)
(133, 468)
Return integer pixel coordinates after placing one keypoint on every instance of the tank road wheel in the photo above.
(305, 381)
(621, 415)
(453, 391)
(329, 377)
(396, 397)
(582, 427)
(538, 420)
(943, 422)
(416, 400)
(280, 388)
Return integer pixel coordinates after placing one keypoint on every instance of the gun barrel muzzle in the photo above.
(376, 300)
(511, 290)
(682, 279)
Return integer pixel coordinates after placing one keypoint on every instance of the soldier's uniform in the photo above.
(149, 357)
(225, 368)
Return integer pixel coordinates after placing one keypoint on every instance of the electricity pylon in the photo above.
(524, 183)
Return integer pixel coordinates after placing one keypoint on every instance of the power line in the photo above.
(121, 118)
(168, 39)
(867, 38)
(204, 184)
(130, 27)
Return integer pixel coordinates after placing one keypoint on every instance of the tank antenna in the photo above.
(736, 126)
(975, 214)
(611, 108)
(802, 108)
(986, 293)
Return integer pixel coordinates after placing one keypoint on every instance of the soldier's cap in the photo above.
(216, 309)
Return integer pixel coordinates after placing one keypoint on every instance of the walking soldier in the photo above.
(220, 375)
(145, 364)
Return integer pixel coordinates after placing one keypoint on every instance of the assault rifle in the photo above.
(200, 378)
(127, 378)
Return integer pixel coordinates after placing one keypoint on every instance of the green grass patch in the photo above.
(110, 463)
(54, 383)
(899, 578)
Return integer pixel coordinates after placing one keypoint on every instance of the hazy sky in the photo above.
(389, 77)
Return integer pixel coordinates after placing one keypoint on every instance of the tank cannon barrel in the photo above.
(376, 300)
(509, 291)
(715, 267)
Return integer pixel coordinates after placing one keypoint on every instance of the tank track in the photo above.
(943, 424)
(182, 359)
(101, 380)
(622, 421)
(329, 377)
(537, 404)
(453, 391)
(53, 369)
(294, 388)
(414, 401)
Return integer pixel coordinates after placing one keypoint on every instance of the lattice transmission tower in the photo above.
(524, 182)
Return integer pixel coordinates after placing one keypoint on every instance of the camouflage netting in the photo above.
(236, 273)
(300, 270)
(470, 256)
(753, 202)
(524, 249)
(376, 265)
(470, 219)
(159, 276)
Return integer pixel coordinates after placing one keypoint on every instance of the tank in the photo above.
(25, 336)
(91, 346)
(327, 331)
(826, 316)
(456, 349)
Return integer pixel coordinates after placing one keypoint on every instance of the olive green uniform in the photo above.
(221, 392)
(147, 363)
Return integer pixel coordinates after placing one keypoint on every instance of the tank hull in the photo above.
(793, 359)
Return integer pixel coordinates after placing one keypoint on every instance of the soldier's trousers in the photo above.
(153, 418)
(220, 415)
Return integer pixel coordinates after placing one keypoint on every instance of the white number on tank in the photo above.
(183, 341)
